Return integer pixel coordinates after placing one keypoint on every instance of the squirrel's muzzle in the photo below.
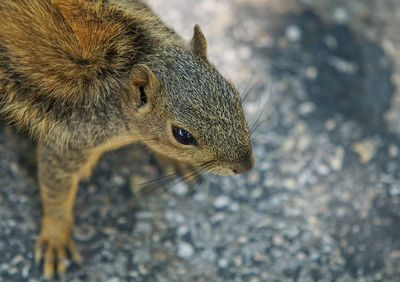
(245, 164)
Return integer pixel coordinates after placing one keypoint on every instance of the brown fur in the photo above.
(84, 77)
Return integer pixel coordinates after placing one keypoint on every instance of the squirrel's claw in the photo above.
(38, 254)
(56, 257)
(48, 264)
(74, 254)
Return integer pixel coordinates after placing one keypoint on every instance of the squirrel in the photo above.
(83, 77)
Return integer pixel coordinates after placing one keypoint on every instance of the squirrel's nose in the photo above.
(244, 165)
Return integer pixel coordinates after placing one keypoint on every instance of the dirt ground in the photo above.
(321, 204)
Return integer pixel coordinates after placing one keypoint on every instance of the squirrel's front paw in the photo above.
(55, 255)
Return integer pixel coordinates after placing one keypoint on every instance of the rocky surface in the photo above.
(321, 80)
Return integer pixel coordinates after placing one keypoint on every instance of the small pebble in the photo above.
(304, 142)
(182, 230)
(289, 183)
(331, 42)
(395, 254)
(253, 177)
(300, 256)
(336, 161)
(340, 15)
(122, 220)
(393, 151)
(14, 168)
(257, 193)
(277, 240)
(92, 188)
(110, 230)
(343, 66)
(133, 274)
(185, 250)
(13, 270)
(120, 263)
(293, 33)
(394, 191)
(365, 149)
(144, 215)
(4, 266)
(118, 180)
(218, 217)
(311, 73)
(306, 108)
(234, 207)
(222, 202)
(238, 261)
(254, 279)
(243, 239)
(355, 228)
(330, 125)
(288, 145)
(142, 256)
(378, 276)
(259, 257)
(142, 269)
(323, 169)
(143, 227)
(17, 259)
(11, 223)
(25, 270)
(223, 263)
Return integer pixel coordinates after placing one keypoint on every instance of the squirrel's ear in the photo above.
(141, 76)
(199, 43)
(145, 84)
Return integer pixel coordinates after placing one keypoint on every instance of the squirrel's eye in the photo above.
(183, 136)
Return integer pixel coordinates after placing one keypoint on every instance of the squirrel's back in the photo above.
(59, 54)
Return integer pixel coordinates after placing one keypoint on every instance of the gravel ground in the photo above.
(321, 204)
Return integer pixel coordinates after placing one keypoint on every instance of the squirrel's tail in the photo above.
(69, 49)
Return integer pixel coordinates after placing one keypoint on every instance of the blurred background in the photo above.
(321, 80)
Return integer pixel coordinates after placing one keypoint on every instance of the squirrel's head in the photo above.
(183, 108)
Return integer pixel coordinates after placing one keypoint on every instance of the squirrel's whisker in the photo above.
(250, 90)
(190, 175)
(263, 111)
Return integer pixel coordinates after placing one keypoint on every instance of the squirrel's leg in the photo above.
(59, 175)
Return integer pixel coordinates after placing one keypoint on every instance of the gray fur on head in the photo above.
(207, 104)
